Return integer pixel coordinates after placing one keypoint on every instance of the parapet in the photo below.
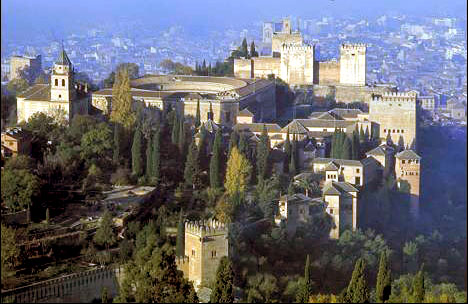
(205, 228)
(354, 46)
(397, 96)
(297, 47)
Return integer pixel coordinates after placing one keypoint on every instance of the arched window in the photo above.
(56, 82)
(63, 82)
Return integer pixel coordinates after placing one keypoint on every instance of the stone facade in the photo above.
(18, 63)
(297, 64)
(327, 72)
(408, 169)
(205, 244)
(395, 115)
(353, 64)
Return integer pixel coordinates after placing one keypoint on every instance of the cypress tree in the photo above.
(358, 291)
(233, 141)
(117, 144)
(333, 144)
(418, 287)
(210, 113)
(287, 149)
(156, 159)
(202, 155)
(384, 281)
(204, 67)
(192, 167)
(361, 135)
(263, 151)
(223, 291)
(181, 137)
(175, 129)
(355, 146)
(253, 52)
(149, 158)
(215, 162)
(243, 145)
(346, 152)
(244, 49)
(180, 242)
(366, 135)
(305, 290)
(197, 118)
(136, 153)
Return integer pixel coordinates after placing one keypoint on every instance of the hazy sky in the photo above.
(23, 19)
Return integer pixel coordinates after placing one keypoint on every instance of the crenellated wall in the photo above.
(353, 64)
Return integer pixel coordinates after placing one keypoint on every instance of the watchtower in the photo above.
(353, 64)
(408, 175)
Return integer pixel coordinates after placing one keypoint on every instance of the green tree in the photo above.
(384, 281)
(192, 173)
(149, 158)
(105, 234)
(19, 187)
(243, 145)
(96, 143)
(17, 85)
(233, 141)
(202, 149)
(117, 144)
(362, 137)
(418, 287)
(122, 101)
(215, 162)
(355, 146)
(305, 290)
(181, 137)
(223, 291)
(136, 153)
(10, 250)
(156, 159)
(263, 152)
(175, 129)
(244, 49)
(292, 163)
(237, 173)
(47, 215)
(358, 291)
(105, 296)
(198, 116)
(253, 52)
(346, 152)
(287, 150)
(180, 242)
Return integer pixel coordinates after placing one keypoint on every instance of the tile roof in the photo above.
(346, 113)
(257, 127)
(39, 92)
(407, 154)
(296, 198)
(245, 113)
(295, 127)
(376, 151)
(331, 167)
(341, 162)
(338, 188)
(326, 123)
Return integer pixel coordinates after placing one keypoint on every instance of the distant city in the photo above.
(425, 54)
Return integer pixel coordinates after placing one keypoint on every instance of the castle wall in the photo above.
(348, 94)
(214, 248)
(17, 63)
(81, 287)
(193, 250)
(262, 104)
(410, 171)
(279, 39)
(243, 68)
(297, 64)
(353, 64)
(264, 66)
(327, 72)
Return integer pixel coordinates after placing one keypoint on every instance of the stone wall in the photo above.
(262, 104)
(284, 38)
(297, 64)
(243, 68)
(348, 94)
(327, 72)
(353, 64)
(81, 287)
(264, 66)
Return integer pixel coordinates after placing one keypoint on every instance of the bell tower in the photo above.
(61, 84)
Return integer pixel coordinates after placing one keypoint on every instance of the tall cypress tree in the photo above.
(175, 129)
(418, 287)
(233, 141)
(202, 149)
(149, 158)
(192, 167)
(197, 117)
(117, 144)
(384, 281)
(333, 144)
(204, 67)
(253, 52)
(355, 146)
(223, 291)
(180, 241)
(366, 135)
(357, 291)
(136, 153)
(156, 159)
(181, 137)
(244, 49)
(287, 149)
(346, 152)
(305, 290)
(263, 151)
(361, 135)
(243, 145)
(215, 162)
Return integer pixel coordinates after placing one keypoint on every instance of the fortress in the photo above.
(288, 57)
(224, 96)
(205, 244)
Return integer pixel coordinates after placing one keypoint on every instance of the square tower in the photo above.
(267, 32)
(61, 84)
(287, 26)
(353, 64)
(408, 176)
(206, 243)
(297, 64)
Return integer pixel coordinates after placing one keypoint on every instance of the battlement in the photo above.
(205, 228)
(297, 47)
(182, 260)
(354, 46)
(397, 97)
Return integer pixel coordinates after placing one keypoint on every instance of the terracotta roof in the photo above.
(341, 162)
(257, 127)
(40, 92)
(323, 115)
(407, 154)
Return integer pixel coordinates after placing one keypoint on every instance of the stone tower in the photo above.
(268, 30)
(408, 175)
(287, 26)
(395, 115)
(205, 244)
(353, 64)
(61, 84)
(297, 64)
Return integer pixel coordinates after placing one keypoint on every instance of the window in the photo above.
(385, 130)
(193, 252)
(56, 82)
(358, 180)
(402, 131)
(63, 82)
(402, 161)
(357, 170)
(331, 211)
(324, 130)
(416, 161)
(228, 116)
(398, 131)
(60, 96)
(213, 254)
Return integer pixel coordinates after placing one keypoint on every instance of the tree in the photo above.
(181, 137)
(355, 146)
(263, 152)
(358, 291)
(233, 141)
(287, 149)
(180, 242)
(105, 296)
(223, 291)
(96, 143)
(175, 129)
(17, 85)
(362, 137)
(237, 173)
(192, 173)
(47, 215)
(384, 280)
(215, 162)
(156, 159)
(244, 49)
(10, 250)
(117, 144)
(243, 145)
(122, 101)
(149, 158)
(19, 187)
(202, 149)
(136, 153)
(253, 52)
(418, 287)
(305, 290)
(346, 152)
(105, 234)
(292, 163)
(197, 117)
